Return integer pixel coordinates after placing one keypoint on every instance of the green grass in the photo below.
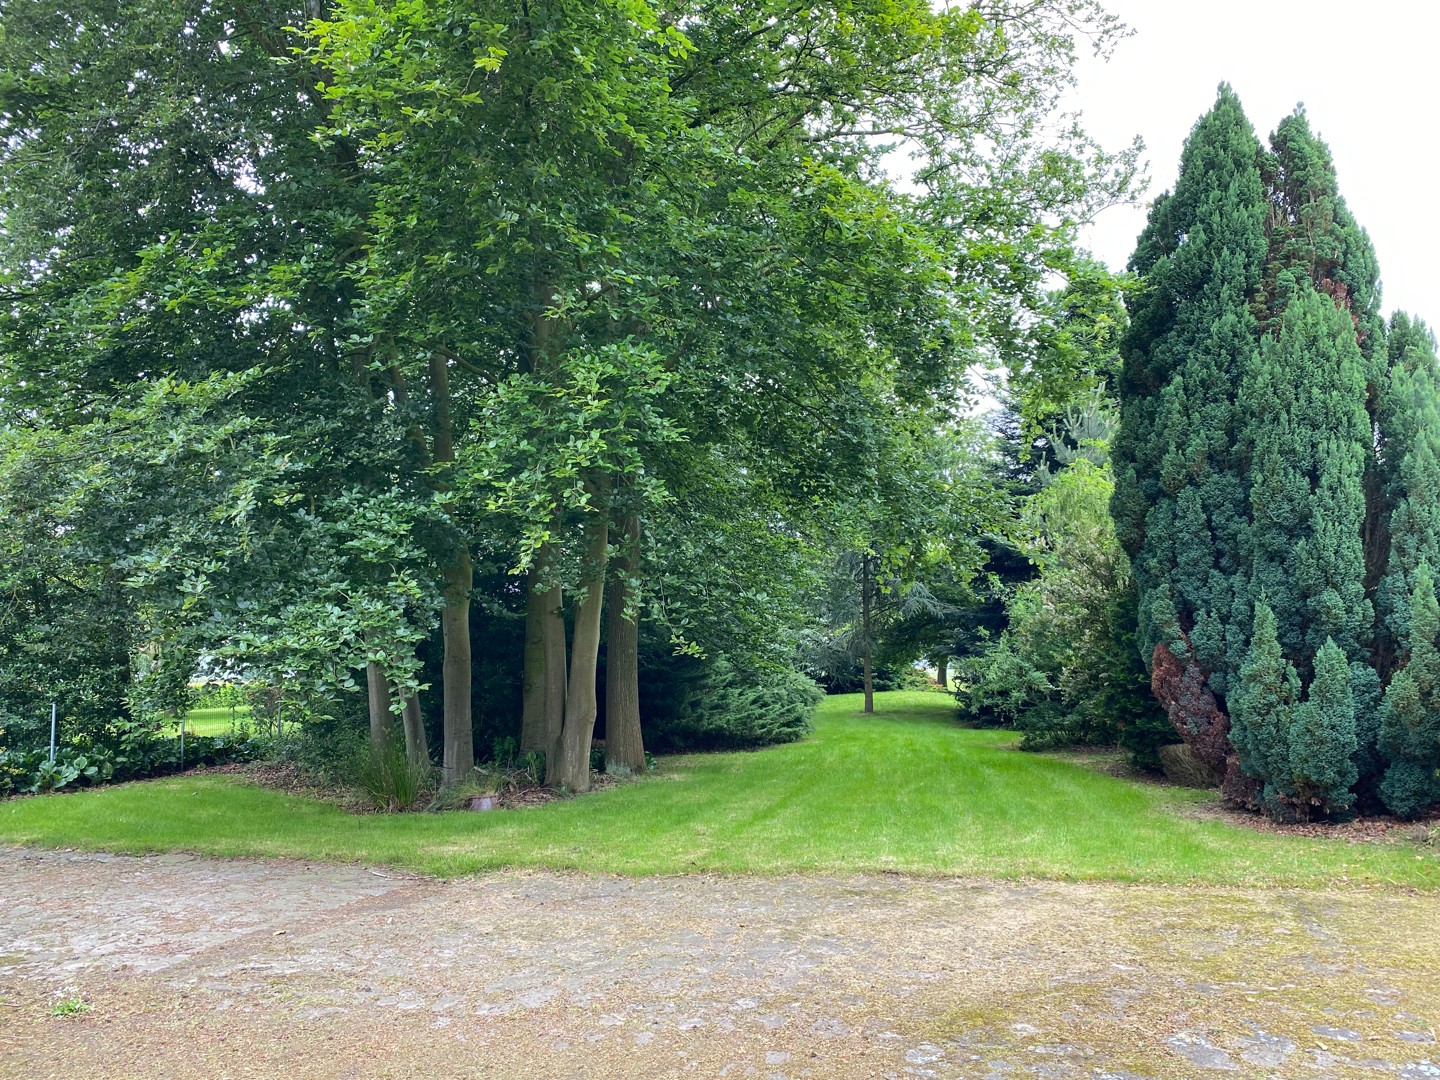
(216, 721)
(904, 790)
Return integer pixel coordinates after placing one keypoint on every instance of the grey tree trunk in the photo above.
(572, 759)
(624, 743)
(868, 642)
(532, 684)
(556, 671)
(382, 723)
(417, 748)
(459, 739)
(543, 703)
(942, 672)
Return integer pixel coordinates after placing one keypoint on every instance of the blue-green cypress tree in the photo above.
(1306, 437)
(1314, 239)
(1322, 739)
(1180, 502)
(1411, 462)
(1275, 441)
(1262, 708)
(1409, 735)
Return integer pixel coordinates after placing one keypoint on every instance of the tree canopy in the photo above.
(341, 337)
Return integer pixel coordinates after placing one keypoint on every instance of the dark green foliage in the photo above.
(1313, 239)
(1066, 669)
(1278, 469)
(1262, 707)
(1411, 468)
(62, 640)
(847, 677)
(125, 751)
(1369, 763)
(1305, 438)
(1121, 685)
(1409, 733)
(328, 744)
(1322, 739)
(1180, 503)
(734, 708)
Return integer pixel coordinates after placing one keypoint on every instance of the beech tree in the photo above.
(679, 201)
(170, 222)
(506, 280)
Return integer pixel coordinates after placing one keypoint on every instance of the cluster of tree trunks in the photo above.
(560, 700)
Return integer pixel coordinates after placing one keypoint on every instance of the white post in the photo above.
(52, 733)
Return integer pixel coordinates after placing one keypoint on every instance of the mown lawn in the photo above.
(904, 790)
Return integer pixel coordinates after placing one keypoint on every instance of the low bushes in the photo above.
(734, 708)
(122, 750)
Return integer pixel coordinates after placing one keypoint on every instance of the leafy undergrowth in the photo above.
(903, 790)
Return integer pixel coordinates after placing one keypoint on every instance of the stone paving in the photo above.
(179, 966)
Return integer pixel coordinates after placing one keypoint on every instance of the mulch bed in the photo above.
(1381, 827)
(292, 780)
(519, 796)
(1362, 830)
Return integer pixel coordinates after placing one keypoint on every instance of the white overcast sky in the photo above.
(1367, 74)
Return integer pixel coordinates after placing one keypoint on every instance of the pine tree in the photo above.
(1180, 503)
(1262, 707)
(1409, 735)
(1322, 739)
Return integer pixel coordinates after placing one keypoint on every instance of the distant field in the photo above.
(219, 721)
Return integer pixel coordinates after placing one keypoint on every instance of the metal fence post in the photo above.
(52, 733)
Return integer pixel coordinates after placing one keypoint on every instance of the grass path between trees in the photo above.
(216, 721)
(904, 790)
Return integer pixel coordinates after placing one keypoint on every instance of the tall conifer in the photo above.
(1411, 463)
(1322, 739)
(1313, 238)
(1409, 736)
(1306, 437)
(1262, 707)
(1273, 446)
(1180, 501)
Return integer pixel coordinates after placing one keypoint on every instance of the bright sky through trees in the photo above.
(1366, 76)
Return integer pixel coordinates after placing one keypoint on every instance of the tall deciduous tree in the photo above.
(171, 217)
(687, 199)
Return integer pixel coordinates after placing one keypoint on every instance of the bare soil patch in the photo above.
(208, 968)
